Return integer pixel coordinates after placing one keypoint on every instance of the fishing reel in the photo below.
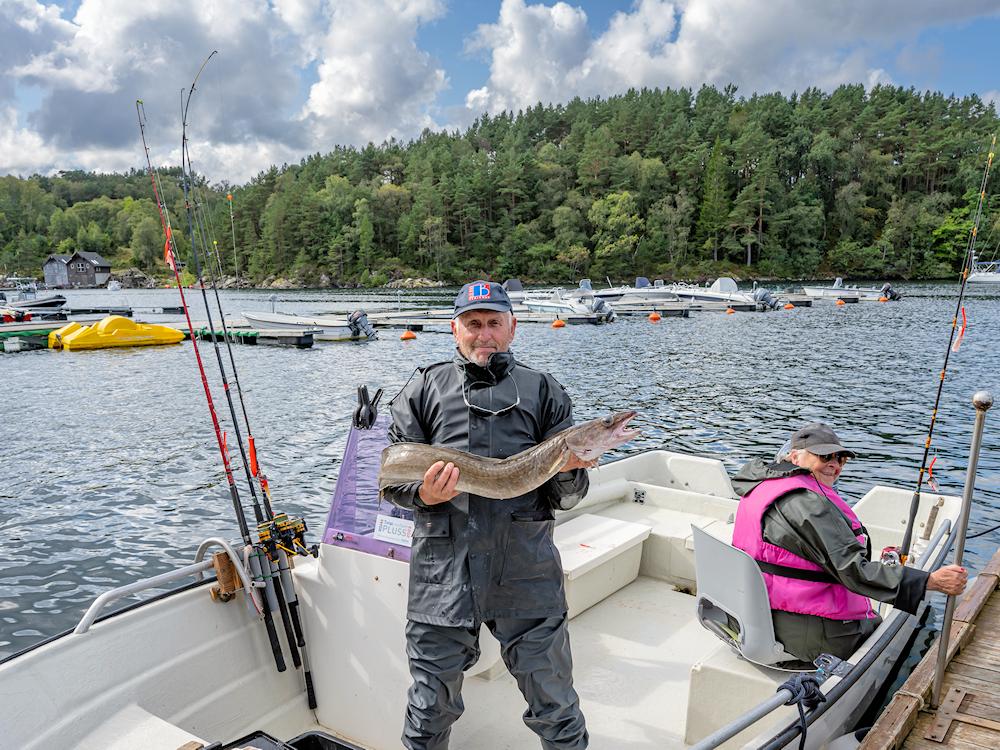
(288, 533)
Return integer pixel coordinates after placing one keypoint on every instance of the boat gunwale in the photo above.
(108, 615)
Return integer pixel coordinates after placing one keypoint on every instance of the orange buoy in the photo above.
(654, 317)
(557, 323)
(730, 311)
(841, 302)
(789, 306)
(883, 299)
(408, 336)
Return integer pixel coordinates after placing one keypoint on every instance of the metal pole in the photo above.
(753, 715)
(982, 400)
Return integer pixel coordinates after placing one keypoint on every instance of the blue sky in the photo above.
(297, 76)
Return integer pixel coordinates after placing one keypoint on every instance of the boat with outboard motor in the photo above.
(648, 567)
(642, 291)
(355, 327)
(23, 295)
(723, 289)
(559, 303)
(839, 290)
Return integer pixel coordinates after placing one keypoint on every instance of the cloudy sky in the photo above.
(293, 77)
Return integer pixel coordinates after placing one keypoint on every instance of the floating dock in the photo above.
(969, 715)
(275, 337)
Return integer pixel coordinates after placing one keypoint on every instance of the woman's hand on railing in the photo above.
(950, 579)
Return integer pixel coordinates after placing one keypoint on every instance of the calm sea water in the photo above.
(110, 471)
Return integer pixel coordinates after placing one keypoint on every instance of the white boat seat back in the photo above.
(732, 599)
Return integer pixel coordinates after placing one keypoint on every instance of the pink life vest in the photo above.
(831, 599)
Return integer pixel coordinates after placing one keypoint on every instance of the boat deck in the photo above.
(622, 648)
(969, 715)
(632, 659)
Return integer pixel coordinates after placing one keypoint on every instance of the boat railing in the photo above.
(848, 676)
(197, 569)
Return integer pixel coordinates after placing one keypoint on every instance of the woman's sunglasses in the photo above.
(840, 458)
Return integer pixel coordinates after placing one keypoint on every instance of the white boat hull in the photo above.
(324, 329)
(823, 292)
(186, 668)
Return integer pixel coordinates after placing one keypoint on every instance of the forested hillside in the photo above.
(673, 183)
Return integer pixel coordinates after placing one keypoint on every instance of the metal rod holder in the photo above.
(982, 400)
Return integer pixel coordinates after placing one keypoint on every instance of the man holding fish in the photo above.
(483, 451)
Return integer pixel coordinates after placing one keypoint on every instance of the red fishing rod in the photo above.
(953, 345)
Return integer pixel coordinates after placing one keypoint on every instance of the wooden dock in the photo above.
(969, 715)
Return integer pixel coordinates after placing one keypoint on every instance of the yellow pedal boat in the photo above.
(114, 330)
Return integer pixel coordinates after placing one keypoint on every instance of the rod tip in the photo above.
(982, 400)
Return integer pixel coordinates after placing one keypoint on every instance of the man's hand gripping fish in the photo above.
(508, 477)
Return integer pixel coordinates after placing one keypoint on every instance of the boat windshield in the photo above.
(359, 519)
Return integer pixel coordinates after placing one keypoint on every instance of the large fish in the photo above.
(508, 477)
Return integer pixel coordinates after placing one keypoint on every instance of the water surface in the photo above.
(110, 470)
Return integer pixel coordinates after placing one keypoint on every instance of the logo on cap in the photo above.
(479, 292)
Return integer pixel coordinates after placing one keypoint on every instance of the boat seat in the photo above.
(732, 599)
(133, 727)
(599, 556)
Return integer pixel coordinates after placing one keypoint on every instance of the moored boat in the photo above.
(113, 331)
(354, 327)
(723, 289)
(984, 272)
(839, 290)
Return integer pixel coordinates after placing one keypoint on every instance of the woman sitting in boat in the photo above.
(815, 554)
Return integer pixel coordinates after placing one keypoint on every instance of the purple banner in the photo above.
(356, 504)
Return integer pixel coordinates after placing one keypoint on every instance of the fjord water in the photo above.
(111, 474)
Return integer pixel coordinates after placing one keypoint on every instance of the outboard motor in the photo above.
(359, 324)
(764, 297)
(602, 308)
(889, 293)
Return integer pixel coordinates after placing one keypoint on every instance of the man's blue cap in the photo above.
(482, 295)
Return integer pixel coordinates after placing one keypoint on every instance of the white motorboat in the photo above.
(355, 327)
(837, 290)
(643, 291)
(24, 296)
(643, 555)
(984, 272)
(559, 303)
(723, 289)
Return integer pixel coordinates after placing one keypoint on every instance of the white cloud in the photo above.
(781, 45)
(533, 49)
(251, 109)
(20, 150)
(298, 76)
(374, 81)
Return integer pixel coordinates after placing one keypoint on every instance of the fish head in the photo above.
(590, 439)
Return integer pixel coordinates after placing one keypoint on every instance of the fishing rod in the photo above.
(279, 535)
(170, 253)
(967, 261)
(260, 571)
